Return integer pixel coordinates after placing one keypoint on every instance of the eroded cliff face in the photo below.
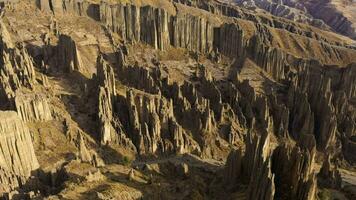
(179, 87)
(17, 158)
(335, 15)
(17, 69)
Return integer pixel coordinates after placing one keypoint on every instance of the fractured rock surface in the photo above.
(17, 158)
(176, 99)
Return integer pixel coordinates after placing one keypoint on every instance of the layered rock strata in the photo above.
(292, 10)
(322, 14)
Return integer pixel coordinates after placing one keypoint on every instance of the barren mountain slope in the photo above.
(183, 99)
(335, 15)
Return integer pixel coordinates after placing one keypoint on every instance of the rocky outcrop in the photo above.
(110, 128)
(157, 27)
(253, 168)
(233, 168)
(135, 24)
(335, 18)
(251, 82)
(322, 14)
(175, 122)
(79, 7)
(107, 132)
(16, 68)
(235, 46)
(153, 127)
(285, 172)
(33, 107)
(148, 120)
(262, 184)
(233, 11)
(68, 57)
(88, 155)
(141, 78)
(288, 9)
(257, 167)
(192, 33)
(328, 176)
(124, 20)
(154, 27)
(17, 156)
(294, 172)
(302, 113)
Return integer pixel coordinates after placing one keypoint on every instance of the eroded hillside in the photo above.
(174, 100)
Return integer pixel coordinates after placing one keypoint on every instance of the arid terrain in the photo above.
(178, 99)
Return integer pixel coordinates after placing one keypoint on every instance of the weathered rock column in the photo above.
(17, 155)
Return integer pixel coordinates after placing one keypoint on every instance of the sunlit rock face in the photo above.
(329, 15)
(186, 99)
(17, 157)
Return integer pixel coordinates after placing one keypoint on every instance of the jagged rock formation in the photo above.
(329, 177)
(254, 168)
(294, 173)
(16, 68)
(89, 156)
(109, 126)
(322, 14)
(341, 21)
(292, 10)
(153, 126)
(157, 27)
(68, 57)
(17, 157)
(106, 94)
(174, 80)
(285, 172)
(33, 107)
(59, 54)
(82, 8)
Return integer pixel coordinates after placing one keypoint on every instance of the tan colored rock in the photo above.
(253, 168)
(78, 7)
(33, 108)
(95, 176)
(294, 172)
(131, 175)
(106, 76)
(17, 70)
(68, 56)
(110, 127)
(88, 155)
(17, 156)
(84, 153)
